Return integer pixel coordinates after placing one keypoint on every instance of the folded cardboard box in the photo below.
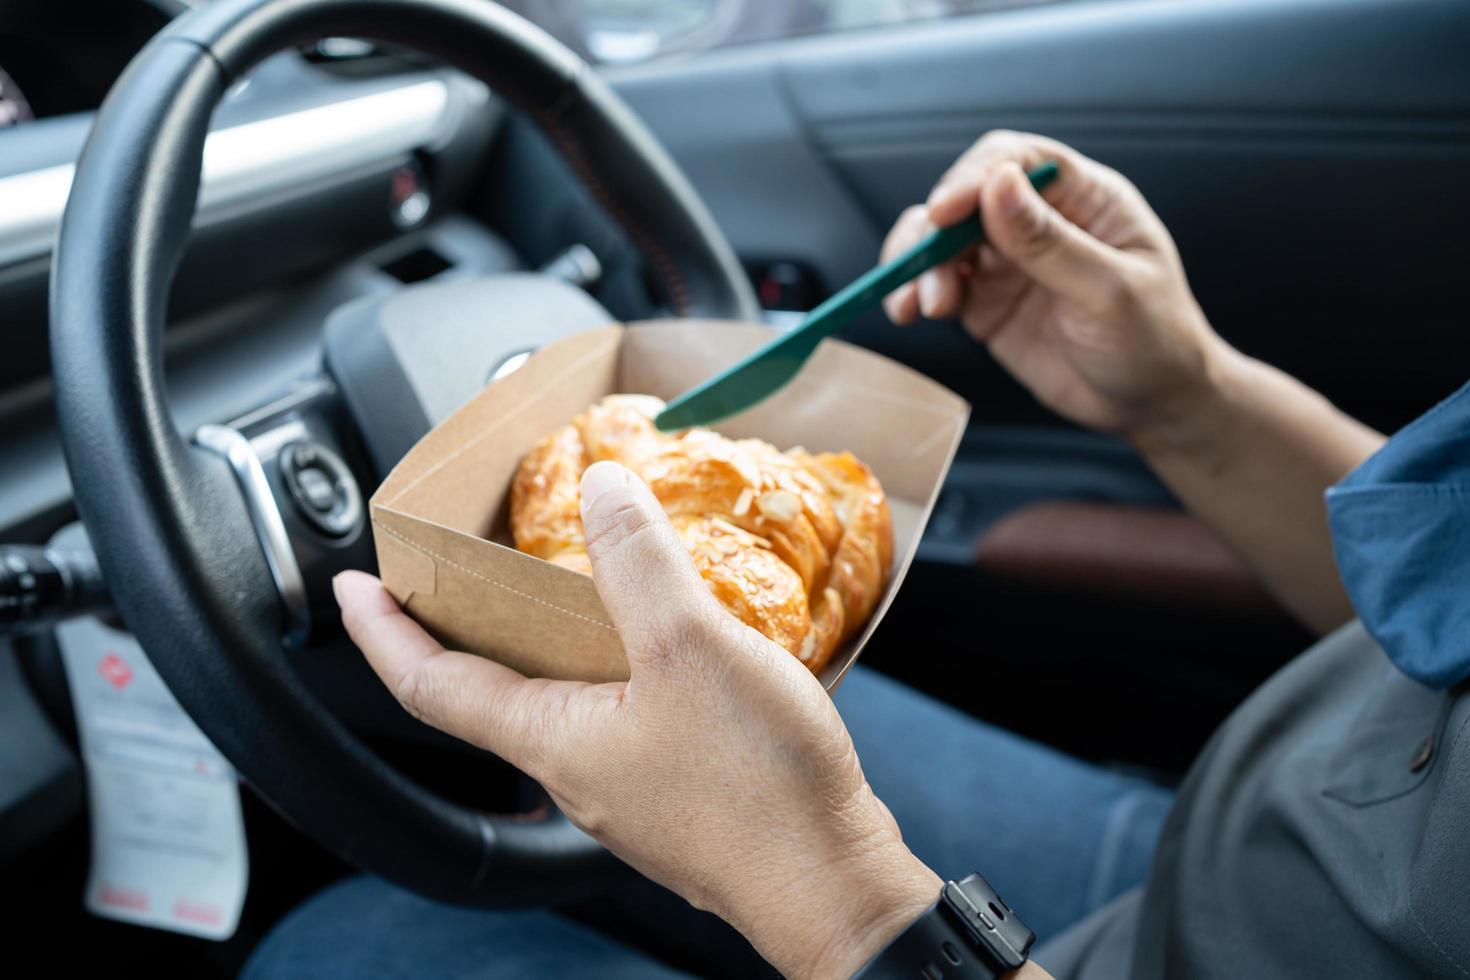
(440, 519)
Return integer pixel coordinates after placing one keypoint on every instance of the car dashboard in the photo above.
(331, 174)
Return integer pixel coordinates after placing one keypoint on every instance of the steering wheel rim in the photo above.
(204, 604)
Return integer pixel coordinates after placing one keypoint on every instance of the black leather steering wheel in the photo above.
(172, 533)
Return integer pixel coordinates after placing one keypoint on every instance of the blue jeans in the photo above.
(1056, 836)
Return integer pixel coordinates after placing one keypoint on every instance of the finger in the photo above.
(911, 225)
(902, 305)
(478, 700)
(934, 295)
(1023, 227)
(957, 194)
(643, 573)
(941, 291)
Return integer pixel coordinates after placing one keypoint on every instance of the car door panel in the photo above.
(734, 129)
(1302, 151)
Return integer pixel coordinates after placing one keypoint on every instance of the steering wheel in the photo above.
(177, 535)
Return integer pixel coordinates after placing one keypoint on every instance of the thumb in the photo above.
(643, 572)
(1060, 256)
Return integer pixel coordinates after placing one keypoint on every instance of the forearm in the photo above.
(1251, 456)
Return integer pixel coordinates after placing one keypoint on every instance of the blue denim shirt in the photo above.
(1401, 531)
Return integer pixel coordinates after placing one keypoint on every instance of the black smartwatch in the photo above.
(969, 933)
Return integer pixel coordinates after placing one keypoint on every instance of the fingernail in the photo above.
(928, 293)
(1013, 200)
(599, 478)
(938, 195)
(337, 587)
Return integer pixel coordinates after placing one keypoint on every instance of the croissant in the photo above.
(796, 545)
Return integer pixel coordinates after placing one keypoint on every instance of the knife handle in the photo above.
(934, 249)
(943, 244)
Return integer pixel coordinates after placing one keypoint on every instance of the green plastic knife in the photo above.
(764, 372)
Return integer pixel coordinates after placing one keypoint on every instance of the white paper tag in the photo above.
(168, 836)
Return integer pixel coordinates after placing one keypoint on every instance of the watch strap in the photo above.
(968, 934)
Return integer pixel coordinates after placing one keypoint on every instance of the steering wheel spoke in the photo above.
(304, 500)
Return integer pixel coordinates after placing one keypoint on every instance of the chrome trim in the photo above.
(302, 392)
(270, 528)
(578, 266)
(258, 159)
(510, 364)
(268, 444)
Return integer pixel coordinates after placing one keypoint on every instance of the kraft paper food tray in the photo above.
(440, 519)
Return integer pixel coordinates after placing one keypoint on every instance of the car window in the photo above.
(628, 31)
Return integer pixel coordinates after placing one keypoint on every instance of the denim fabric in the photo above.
(1401, 531)
(367, 929)
(1056, 836)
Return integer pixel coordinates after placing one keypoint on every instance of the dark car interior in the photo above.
(1307, 155)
